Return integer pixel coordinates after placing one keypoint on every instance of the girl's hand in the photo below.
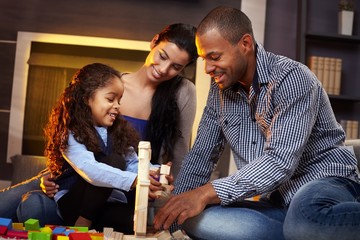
(48, 185)
(155, 185)
(156, 188)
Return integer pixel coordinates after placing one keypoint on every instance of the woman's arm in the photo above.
(186, 100)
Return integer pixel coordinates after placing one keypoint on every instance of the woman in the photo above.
(157, 101)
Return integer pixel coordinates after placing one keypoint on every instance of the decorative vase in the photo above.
(346, 19)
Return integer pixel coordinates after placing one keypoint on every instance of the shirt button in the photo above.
(229, 196)
(253, 142)
(226, 122)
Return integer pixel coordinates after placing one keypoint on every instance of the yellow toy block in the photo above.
(18, 226)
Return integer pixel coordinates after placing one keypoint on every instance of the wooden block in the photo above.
(132, 237)
(163, 235)
(107, 233)
(32, 224)
(165, 169)
(117, 235)
(142, 189)
(179, 235)
(141, 206)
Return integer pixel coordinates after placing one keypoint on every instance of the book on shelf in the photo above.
(326, 75)
(320, 70)
(351, 128)
(338, 70)
(328, 71)
(332, 76)
(313, 64)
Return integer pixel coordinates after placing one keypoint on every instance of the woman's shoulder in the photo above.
(186, 95)
(187, 89)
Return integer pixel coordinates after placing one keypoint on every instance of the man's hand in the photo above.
(48, 186)
(185, 205)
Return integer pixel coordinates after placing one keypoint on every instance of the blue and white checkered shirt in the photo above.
(283, 134)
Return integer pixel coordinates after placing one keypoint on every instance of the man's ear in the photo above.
(246, 42)
(154, 41)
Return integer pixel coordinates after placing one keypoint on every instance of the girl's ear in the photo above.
(154, 41)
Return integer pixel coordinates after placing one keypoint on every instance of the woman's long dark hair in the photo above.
(163, 127)
(72, 113)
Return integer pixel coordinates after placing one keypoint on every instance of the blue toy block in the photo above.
(7, 222)
(59, 230)
(68, 231)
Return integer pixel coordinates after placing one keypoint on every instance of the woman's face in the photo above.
(165, 61)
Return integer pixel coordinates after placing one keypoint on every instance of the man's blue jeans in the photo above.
(11, 197)
(25, 200)
(327, 208)
(37, 205)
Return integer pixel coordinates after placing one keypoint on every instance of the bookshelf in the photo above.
(317, 33)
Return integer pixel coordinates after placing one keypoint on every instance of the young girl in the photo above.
(90, 151)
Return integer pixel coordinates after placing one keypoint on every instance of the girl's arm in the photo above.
(97, 173)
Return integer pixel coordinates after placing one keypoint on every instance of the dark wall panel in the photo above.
(7, 59)
(280, 27)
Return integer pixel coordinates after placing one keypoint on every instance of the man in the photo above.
(279, 123)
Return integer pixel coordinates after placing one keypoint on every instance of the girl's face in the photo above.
(105, 103)
(165, 61)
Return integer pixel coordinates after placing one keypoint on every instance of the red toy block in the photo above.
(3, 230)
(17, 234)
(79, 236)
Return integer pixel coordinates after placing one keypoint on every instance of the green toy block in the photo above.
(39, 236)
(80, 229)
(32, 224)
